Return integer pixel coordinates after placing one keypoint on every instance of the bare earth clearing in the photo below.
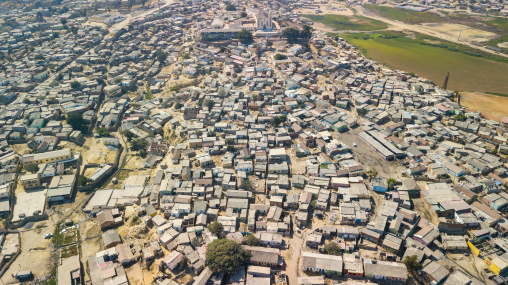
(496, 106)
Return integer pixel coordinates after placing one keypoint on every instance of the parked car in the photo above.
(46, 236)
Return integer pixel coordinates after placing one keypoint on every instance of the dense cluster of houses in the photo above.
(261, 150)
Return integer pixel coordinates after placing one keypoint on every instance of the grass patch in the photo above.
(123, 174)
(497, 94)
(432, 58)
(69, 251)
(148, 94)
(58, 238)
(404, 15)
(352, 23)
(501, 25)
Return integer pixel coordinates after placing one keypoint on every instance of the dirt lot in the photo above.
(366, 155)
(419, 206)
(92, 151)
(36, 254)
(492, 106)
(20, 148)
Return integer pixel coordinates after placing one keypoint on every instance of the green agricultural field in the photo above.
(349, 23)
(434, 60)
(405, 15)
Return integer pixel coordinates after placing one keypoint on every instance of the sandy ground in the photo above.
(492, 106)
(92, 151)
(465, 32)
(21, 148)
(335, 9)
(503, 45)
(35, 253)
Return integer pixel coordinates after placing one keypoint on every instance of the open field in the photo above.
(460, 31)
(492, 106)
(351, 23)
(489, 30)
(432, 61)
(405, 15)
(502, 25)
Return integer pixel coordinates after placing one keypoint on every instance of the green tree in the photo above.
(215, 228)
(259, 51)
(247, 185)
(39, 57)
(226, 256)
(83, 180)
(75, 85)
(245, 36)
(75, 119)
(26, 101)
(276, 121)
(371, 174)
(279, 56)
(390, 182)
(412, 263)
(243, 14)
(39, 17)
(32, 167)
(209, 104)
(129, 135)
(231, 148)
(138, 144)
(55, 35)
(291, 34)
(251, 240)
(306, 32)
(161, 56)
(460, 117)
(230, 7)
(269, 43)
(332, 248)
(103, 132)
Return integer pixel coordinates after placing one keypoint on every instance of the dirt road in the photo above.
(134, 16)
(292, 256)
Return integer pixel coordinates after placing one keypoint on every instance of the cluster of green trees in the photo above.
(75, 119)
(226, 256)
(276, 121)
(292, 35)
(139, 145)
(245, 36)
